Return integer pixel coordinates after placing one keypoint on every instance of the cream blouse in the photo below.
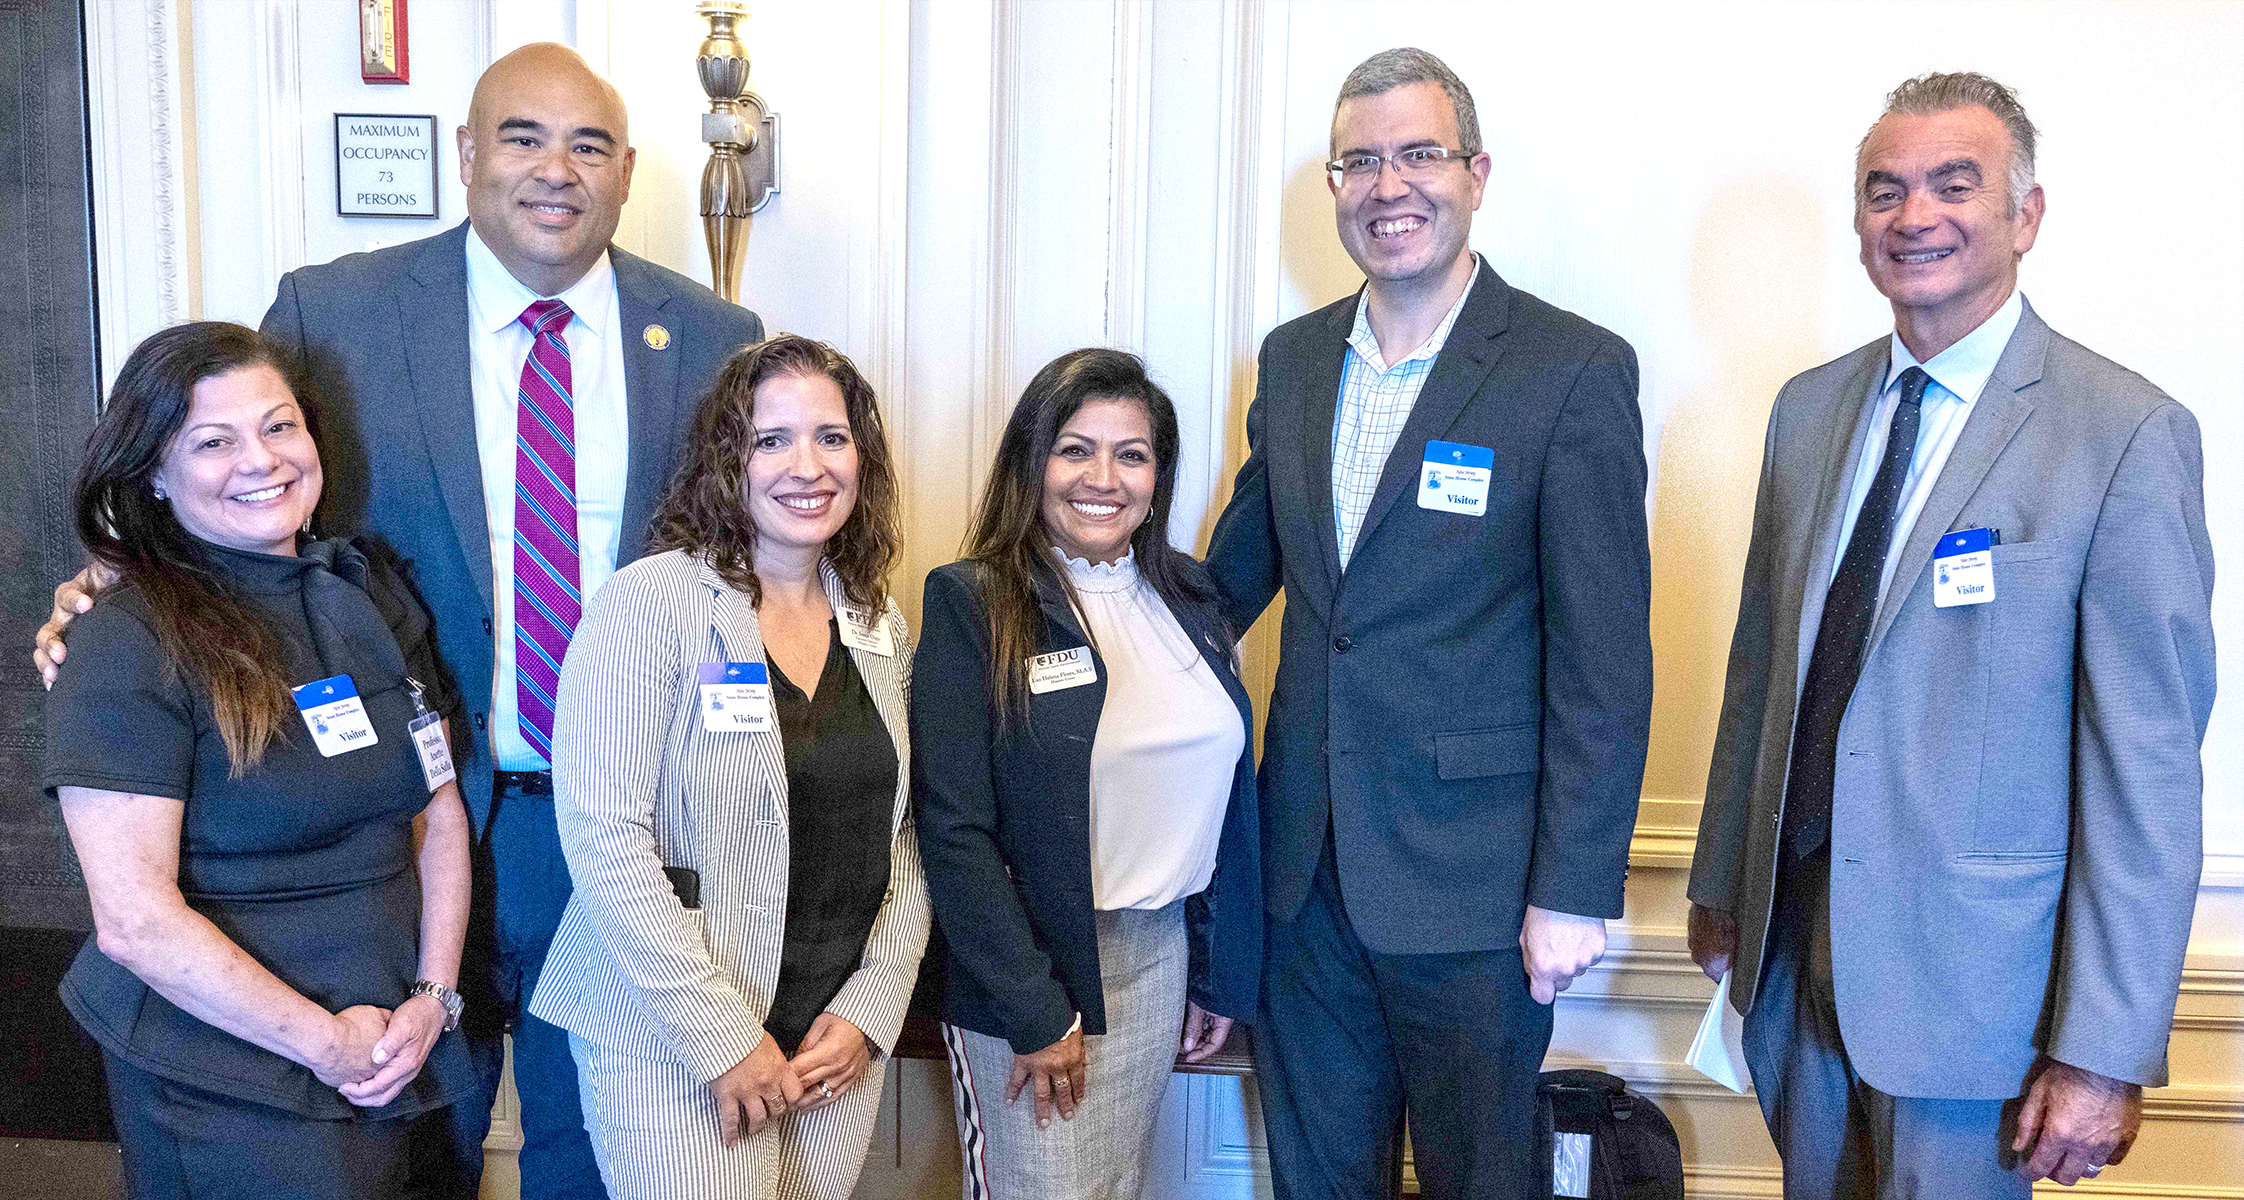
(1168, 740)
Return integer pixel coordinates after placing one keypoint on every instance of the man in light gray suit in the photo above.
(1951, 839)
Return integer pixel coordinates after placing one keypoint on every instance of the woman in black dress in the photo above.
(248, 745)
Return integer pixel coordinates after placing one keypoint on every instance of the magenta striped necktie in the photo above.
(547, 601)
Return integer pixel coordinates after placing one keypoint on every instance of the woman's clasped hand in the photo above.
(767, 1084)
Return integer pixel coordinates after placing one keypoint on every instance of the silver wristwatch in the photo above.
(451, 1000)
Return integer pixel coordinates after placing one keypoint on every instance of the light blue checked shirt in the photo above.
(1375, 401)
(497, 347)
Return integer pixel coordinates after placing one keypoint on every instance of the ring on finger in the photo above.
(826, 1090)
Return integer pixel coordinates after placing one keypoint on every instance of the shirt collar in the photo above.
(1962, 369)
(1361, 340)
(496, 298)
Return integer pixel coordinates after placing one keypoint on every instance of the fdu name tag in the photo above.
(1454, 478)
(735, 697)
(862, 629)
(1061, 669)
(335, 715)
(1963, 569)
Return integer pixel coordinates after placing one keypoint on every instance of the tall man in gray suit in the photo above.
(418, 356)
(1951, 837)
(1446, 477)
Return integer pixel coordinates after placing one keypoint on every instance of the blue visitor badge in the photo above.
(1454, 478)
(334, 713)
(1963, 569)
(735, 697)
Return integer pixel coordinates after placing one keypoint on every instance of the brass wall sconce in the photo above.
(743, 136)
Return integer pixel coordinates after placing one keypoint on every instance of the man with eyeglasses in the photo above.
(1446, 476)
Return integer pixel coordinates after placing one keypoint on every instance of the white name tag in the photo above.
(335, 715)
(861, 630)
(436, 754)
(735, 697)
(1063, 669)
(1963, 569)
(1454, 478)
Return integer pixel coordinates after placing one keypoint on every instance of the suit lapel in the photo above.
(1994, 419)
(1052, 599)
(435, 323)
(1842, 451)
(650, 381)
(1206, 632)
(881, 680)
(1320, 401)
(1460, 368)
(739, 638)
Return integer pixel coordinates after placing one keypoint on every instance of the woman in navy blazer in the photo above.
(1097, 888)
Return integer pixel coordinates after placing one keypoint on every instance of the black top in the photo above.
(841, 796)
(305, 862)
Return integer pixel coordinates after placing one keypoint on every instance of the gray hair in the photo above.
(1390, 69)
(1934, 93)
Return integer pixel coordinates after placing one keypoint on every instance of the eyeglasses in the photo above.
(1357, 170)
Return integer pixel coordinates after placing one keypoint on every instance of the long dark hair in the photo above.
(1009, 542)
(703, 511)
(207, 630)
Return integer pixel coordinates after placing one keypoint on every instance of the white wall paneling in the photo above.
(281, 117)
(1131, 172)
(140, 114)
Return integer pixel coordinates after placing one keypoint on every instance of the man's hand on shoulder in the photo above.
(1557, 948)
(1713, 936)
(2075, 1123)
(73, 597)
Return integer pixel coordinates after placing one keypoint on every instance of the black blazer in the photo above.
(1466, 709)
(1004, 819)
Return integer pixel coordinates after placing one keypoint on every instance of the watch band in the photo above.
(452, 1002)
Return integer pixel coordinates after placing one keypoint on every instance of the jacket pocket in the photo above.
(2024, 552)
(2024, 860)
(1473, 754)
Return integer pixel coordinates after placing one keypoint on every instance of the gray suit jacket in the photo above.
(1466, 707)
(639, 785)
(382, 339)
(2015, 839)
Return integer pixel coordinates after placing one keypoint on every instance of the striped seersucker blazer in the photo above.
(640, 785)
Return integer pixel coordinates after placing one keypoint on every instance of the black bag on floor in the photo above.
(1631, 1153)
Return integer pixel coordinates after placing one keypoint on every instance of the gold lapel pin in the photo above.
(657, 337)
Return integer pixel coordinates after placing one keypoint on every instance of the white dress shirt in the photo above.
(1375, 401)
(1958, 374)
(1168, 742)
(497, 347)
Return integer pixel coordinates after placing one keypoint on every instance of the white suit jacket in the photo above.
(640, 785)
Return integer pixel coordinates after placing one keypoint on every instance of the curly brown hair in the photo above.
(703, 511)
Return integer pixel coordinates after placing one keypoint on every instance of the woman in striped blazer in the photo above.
(1085, 794)
(730, 780)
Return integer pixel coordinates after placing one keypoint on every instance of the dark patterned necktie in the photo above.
(547, 603)
(1848, 609)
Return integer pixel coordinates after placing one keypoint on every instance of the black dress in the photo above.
(841, 795)
(306, 862)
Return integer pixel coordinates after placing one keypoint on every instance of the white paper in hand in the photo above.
(1718, 1052)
